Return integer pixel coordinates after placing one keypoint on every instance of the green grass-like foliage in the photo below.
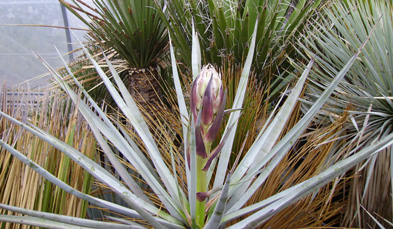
(224, 29)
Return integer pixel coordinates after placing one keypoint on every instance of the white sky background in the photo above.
(17, 61)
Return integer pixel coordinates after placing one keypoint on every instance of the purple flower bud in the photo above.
(206, 92)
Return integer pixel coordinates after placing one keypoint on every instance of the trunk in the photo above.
(145, 89)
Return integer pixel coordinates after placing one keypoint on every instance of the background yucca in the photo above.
(365, 94)
(224, 30)
(138, 36)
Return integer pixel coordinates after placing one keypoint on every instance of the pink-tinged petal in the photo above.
(217, 150)
(207, 105)
(218, 100)
(203, 81)
(215, 127)
(194, 98)
(200, 145)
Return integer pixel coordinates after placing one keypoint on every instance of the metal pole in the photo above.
(67, 31)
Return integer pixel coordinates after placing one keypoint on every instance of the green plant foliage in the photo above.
(224, 29)
(365, 92)
(132, 28)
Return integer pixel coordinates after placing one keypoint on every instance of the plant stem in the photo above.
(201, 187)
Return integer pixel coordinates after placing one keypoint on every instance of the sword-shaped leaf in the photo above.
(219, 210)
(98, 172)
(64, 219)
(286, 198)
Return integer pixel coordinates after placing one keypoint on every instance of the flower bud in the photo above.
(207, 106)
(206, 94)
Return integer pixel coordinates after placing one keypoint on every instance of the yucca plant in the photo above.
(211, 196)
(135, 31)
(225, 28)
(365, 92)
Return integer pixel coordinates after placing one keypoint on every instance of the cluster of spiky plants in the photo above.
(213, 194)
(224, 29)
(365, 93)
(132, 28)
(281, 22)
(137, 35)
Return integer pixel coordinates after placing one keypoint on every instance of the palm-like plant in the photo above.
(211, 195)
(366, 92)
(135, 31)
